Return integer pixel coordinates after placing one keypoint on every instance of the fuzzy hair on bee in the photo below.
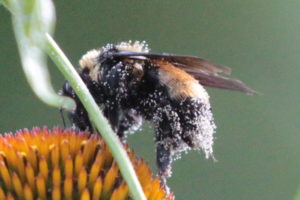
(131, 84)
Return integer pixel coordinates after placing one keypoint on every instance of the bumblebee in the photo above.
(131, 84)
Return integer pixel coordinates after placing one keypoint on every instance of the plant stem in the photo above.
(30, 21)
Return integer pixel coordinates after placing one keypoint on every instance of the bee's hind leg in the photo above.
(164, 164)
(168, 140)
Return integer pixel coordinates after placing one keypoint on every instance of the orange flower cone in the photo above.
(65, 164)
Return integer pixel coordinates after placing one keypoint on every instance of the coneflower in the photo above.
(65, 164)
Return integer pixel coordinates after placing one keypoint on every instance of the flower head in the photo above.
(65, 164)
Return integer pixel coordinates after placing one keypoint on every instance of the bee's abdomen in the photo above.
(180, 126)
(197, 124)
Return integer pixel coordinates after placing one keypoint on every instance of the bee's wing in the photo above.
(216, 80)
(194, 63)
(205, 71)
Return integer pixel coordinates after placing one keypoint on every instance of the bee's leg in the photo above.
(62, 117)
(130, 122)
(112, 112)
(79, 117)
(164, 161)
(168, 131)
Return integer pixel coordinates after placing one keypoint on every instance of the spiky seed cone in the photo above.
(65, 164)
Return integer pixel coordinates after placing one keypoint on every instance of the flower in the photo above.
(65, 164)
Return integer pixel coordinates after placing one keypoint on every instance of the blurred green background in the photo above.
(257, 141)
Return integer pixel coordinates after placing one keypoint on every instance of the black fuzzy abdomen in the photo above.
(197, 124)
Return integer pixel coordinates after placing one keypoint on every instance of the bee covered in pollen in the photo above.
(131, 84)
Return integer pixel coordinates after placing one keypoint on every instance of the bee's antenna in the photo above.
(62, 116)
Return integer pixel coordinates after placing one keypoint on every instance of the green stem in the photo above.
(96, 116)
(29, 24)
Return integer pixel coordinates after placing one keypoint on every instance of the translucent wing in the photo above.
(208, 73)
(194, 63)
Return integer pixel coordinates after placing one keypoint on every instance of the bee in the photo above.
(132, 84)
